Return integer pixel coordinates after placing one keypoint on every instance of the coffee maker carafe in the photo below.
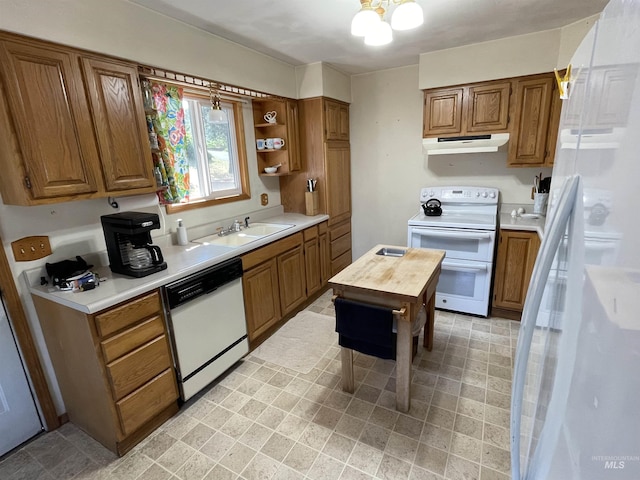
(128, 238)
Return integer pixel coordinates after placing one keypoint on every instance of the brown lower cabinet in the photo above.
(517, 252)
(280, 276)
(114, 368)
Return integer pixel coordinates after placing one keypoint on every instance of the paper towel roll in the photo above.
(136, 202)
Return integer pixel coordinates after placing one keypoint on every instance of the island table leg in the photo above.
(347, 369)
(403, 366)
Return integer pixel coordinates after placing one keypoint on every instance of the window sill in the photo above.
(182, 207)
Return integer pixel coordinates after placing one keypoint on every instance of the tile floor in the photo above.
(264, 422)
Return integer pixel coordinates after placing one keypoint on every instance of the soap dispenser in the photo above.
(182, 233)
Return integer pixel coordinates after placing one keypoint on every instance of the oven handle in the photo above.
(457, 234)
(463, 267)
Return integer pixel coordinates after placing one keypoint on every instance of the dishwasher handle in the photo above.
(202, 283)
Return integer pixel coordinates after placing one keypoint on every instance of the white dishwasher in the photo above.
(207, 324)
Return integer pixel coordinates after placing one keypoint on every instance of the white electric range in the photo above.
(466, 230)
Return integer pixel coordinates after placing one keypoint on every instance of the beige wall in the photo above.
(319, 79)
(389, 169)
(508, 57)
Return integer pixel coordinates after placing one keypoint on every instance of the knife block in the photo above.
(311, 203)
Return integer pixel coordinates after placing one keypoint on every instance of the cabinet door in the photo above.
(261, 297)
(116, 102)
(529, 132)
(291, 279)
(331, 120)
(517, 253)
(488, 108)
(554, 125)
(293, 135)
(343, 131)
(312, 265)
(51, 117)
(442, 112)
(325, 259)
(338, 181)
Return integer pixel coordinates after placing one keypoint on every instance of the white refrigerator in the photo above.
(575, 405)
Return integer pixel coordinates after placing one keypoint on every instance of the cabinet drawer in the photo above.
(322, 227)
(120, 317)
(142, 405)
(340, 246)
(310, 233)
(129, 372)
(270, 251)
(340, 263)
(340, 230)
(126, 341)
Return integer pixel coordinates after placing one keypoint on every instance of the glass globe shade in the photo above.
(407, 15)
(363, 21)
(381, 34)
(217, 116)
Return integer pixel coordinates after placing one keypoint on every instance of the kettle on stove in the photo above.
(432, 207)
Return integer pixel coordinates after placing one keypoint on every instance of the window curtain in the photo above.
(168, 124)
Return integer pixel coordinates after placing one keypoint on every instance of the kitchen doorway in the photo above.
(19, 419)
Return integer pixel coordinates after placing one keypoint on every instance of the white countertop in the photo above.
(507, 222)
(181, 261)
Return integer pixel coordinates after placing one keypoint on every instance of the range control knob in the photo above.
(432, 193)
(484, 194)
(477, 194)
(492, 194)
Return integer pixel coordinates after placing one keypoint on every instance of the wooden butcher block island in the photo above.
(403, 279)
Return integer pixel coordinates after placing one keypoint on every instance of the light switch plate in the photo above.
(31, 248)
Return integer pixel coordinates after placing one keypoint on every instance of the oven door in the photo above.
(459, 243)
(464, 286)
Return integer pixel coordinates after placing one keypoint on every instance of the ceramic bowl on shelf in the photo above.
(272, 169)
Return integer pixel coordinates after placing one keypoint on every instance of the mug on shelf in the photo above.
(268, 143)
(260, 143)
(270, 117)
(278, 143)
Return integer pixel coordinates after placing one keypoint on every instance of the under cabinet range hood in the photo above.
(466, 144)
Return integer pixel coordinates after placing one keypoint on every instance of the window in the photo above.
(216, 154)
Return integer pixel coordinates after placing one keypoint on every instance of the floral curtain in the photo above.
(168, 124)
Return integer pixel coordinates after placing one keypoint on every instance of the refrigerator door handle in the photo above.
(554, 234)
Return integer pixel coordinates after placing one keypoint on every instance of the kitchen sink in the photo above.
(263, 229)
(256, 231)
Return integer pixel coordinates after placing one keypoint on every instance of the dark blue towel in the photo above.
(365, 328)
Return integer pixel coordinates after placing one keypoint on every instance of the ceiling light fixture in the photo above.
(216, 114)
(369, 22)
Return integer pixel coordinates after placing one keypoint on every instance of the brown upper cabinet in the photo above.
(121, 132)
(467, 110)
(336, 120)
(74, 125)
(286, 126)
(528, 138)
(528, 108)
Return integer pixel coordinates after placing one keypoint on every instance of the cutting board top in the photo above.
(402, 278)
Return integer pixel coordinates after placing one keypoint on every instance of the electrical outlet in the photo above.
(31, 248)
(264, 199)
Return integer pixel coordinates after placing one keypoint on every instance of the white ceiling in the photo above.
(307, 31)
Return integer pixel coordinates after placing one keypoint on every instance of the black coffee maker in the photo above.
(128, 237)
